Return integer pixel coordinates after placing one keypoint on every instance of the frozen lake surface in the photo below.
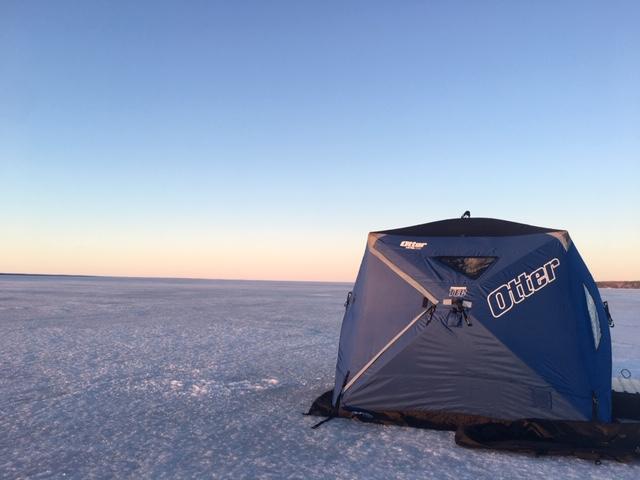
(106, 377)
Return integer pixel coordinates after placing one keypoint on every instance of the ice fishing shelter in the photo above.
(474, 317)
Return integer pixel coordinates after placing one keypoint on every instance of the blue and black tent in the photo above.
(472, 320)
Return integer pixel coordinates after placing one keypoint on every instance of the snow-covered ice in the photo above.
(141, 378)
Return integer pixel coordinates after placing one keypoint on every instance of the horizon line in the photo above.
(82, 275)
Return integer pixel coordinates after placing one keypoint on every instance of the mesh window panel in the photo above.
(593, 317)
(471, 267)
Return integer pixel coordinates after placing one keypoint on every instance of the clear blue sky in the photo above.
(263, 139)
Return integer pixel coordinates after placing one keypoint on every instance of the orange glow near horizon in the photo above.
(290, 256)
(244, 258)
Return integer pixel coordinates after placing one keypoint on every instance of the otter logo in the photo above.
(413, 245)
(503, 298)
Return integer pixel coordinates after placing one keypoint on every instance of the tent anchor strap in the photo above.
(322, 422)
(336, 408)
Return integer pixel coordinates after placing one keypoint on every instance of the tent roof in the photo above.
(468, 227)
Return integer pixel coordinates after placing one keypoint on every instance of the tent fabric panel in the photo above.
(550, 329)
(424, 267)
(382, 305)
(464, 370)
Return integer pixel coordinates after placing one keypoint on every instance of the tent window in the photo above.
(471, 267)
(593, 316)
